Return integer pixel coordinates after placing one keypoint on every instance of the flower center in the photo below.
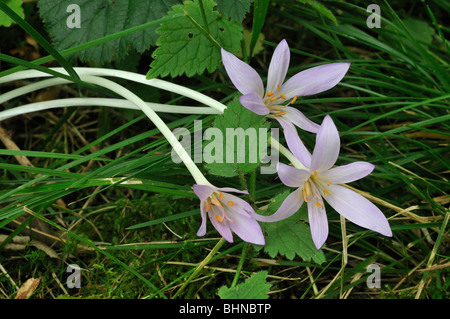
(310, 191)
(215, 205)
(273, 102)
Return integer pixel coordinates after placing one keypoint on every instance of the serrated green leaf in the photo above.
(320, 8)
(254, 287)
(99, 18)
(16, 6)
(240, 152)
(291, 236)
(189, 45)
(234, 9)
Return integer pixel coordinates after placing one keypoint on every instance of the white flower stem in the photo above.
(109, 102)
(135, 77)
(163, 128)
(283, 150)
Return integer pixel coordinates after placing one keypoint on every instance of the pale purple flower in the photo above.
(272, 102)
(319, 180)
(228, 213)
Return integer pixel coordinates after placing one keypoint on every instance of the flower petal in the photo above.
(237, 204)
(315, 80)
(278, 66)
(300, 120)
(253, 102)
(327, 146)
(348, 173)
(247, 228)
(294, 142)
(318, 222)
(202, 230)
(289, 207)
(357, 209)
(243, 76)
(291, 176)
(222, 227)
(203, 191)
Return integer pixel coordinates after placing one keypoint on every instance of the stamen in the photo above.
(283, 96)
(273, 98)
(328, 183)
(220, 218)
(215, 201)
(318, 204)
(307, 189)
(294, 99)
(269, 93)
(280, 113)
(220, 195)
(305, 198)
(278, 87)
(325, 192)
(230, 203)
(207, 206)
(315, 174)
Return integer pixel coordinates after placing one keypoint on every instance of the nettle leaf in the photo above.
(254, 287)
(234, 141)
(16, 6)
(320, 8)
(234, 9)
(189, 46)
(99, 18)
(291, 236)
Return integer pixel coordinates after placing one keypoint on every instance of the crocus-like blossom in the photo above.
(228, 213)
(272, 102)
(319, 180)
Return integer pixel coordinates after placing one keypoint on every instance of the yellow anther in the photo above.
(307, 189)
(305, 198)
(273, 98)
(280, 113)
(220, 218)
(283, 96)
(325, 192)
(294, 99)
(269, 93)
(230, 203)
(315, 174)
(318, 204)
(215, 201)
(220, 195)
(278, 87)
(207, 206)
(328, 183)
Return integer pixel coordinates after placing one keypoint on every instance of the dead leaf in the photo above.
(28, 288)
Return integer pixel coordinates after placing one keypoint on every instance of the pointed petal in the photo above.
(278, 66)
(290, 206)
(318, 222)
(237, 204)
(229, 189)
(300, 120)
(203, 191)
(253, 102)
(243, 76)
(327, 146)
(247, 228)
(348, 173)
(294, 142)
(202, 230)
(222, 227)
(357, 209)
(314, 80)
(291, 176)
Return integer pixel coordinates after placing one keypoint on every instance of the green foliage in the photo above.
(100, 18)
(254, 287)
(191, 44)
(16, 6)
(234, 9)
(320, 8)
(244, 153)
(291, 236)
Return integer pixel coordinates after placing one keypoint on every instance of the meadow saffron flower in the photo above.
(272, 102)
(228, 213)
(319, 180)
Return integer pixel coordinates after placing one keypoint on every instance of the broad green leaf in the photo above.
(189, 45)
(234, 9)
(16, 6)
(254, 287)
(99, 18)
(320, 8)
(291, 236)
(234, 141)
